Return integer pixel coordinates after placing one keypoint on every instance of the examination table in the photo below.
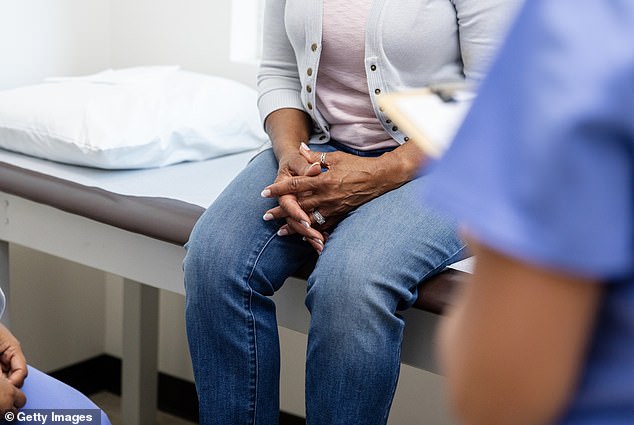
(134, 224)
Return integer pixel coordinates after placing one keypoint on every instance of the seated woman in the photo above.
(346, 192)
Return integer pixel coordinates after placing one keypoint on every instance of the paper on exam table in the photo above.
(467, 265)
(430, 116)
(178, 181)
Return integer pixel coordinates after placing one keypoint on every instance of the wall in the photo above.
(193, 34)
(57, 308)
(40, 38)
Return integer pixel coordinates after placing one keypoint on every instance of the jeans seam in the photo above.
(253, 373)
(443, 264)
(253, 327)
(395, 382)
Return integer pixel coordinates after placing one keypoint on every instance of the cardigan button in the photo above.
(406, 139)
(309, 89)
(377, 91)
(310, 106)
(313, 47)
(309, 71)
(373, 67)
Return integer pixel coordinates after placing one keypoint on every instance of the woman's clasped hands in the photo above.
(313, 201)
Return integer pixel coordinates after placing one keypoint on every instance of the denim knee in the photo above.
(352, 300)
(198, 267)
(212, 255)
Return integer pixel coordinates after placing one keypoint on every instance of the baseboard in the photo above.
(175, 396)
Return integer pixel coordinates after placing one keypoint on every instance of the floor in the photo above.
(111, 404)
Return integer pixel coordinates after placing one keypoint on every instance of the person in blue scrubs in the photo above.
(24, 388)
(541, 174)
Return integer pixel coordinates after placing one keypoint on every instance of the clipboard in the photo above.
(430, 116)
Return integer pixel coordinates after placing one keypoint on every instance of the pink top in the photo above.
(342, 87)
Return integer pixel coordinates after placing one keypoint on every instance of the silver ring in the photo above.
(319, 219)
(322, 159)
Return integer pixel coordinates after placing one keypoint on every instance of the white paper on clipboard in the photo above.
(430, 116)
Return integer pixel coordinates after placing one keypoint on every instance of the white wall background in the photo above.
(193, 34)
(40, 38)
(64, 313)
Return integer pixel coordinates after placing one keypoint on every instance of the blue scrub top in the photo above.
(543, 170)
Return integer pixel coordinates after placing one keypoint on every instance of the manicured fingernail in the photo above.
(305, 224)
(268, 217)
(282, 232)
(304, 238)
(265, 193)
(314, 164)
(304, 146)
(318, 241)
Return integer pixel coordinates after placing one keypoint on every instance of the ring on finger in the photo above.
(319, 219)
(322, 159)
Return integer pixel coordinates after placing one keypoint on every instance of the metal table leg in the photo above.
(140, 353)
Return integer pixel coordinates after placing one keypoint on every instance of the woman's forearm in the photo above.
(400, 165)
(287, 129)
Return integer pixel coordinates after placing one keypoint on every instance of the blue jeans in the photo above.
(370, 268)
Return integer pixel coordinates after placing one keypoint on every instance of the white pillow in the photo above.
(131, 118)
